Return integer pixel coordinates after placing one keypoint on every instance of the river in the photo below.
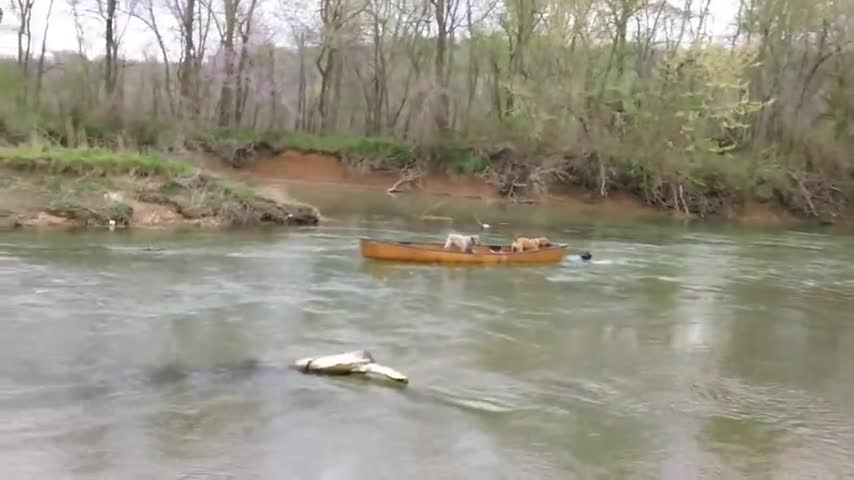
(677, 353)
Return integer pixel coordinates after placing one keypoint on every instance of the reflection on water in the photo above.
(677, 353)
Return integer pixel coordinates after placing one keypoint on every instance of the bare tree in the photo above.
(243, 82)
(25, 35)
(40, 72)
(111, 44)
(334, 15)
(145, 12)
(187, 73)
(444, 12)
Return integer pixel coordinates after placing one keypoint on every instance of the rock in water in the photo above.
(356, 362)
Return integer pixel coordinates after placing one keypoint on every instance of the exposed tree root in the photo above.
(410, 177)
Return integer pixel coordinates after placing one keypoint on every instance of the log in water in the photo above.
(356, 362)
(676, 353)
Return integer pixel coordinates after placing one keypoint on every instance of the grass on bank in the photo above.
(329, 144)
(71, 183)
(63, 160)
(706, 183)
(57, 161)
(447, 154)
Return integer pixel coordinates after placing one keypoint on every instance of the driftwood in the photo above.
(357, 362)
(410, 176)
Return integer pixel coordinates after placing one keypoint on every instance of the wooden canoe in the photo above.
(436, 253)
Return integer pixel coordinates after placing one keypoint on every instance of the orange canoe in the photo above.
(436, 253)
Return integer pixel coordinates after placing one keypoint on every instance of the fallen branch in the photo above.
(359, 362)
(408, 176)
(682, 197)
(805, 193)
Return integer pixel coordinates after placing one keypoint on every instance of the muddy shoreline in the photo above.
(35, 200)
(39, 199)
(295, 168)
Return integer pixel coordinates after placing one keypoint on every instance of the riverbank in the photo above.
(758, 189)
(293, 167)
(54, 187)
(203, 185)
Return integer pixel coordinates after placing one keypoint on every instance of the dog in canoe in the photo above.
(523, 244)
(464, 243)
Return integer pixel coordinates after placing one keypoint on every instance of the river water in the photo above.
(677, 353)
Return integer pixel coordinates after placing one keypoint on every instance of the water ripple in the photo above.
(714, 351)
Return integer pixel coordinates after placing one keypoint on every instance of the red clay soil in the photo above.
(310, 167)
(292, 166)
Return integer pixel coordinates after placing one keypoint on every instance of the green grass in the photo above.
(448, 153)
(54, 183)
(81, 160)
(239, 191)
(469, 164)
(60, 161)
(329, 144)
(121, 213)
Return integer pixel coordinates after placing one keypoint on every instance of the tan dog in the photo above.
(464, 243)
(522, 244)
(544, 242)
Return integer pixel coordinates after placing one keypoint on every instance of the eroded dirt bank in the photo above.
(312, 168)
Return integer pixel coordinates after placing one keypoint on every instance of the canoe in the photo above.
(436, 253)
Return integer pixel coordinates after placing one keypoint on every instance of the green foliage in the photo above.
(63, 205)
(395, 154)
(238, 191)
(15, 123)
(80, 160)
(121, 213)
(398, 153)
(171, 187)
(470, 165)
(54, 183)
(455, 155)
(11, 82)
(603, 90)
(447, 152)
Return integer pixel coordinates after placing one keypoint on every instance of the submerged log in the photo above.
(357, 362)
(383, 370)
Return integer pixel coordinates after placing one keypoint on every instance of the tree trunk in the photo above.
(302, 115)
(40, 72)
(226, 97)
(186, 76)
(442, 105)
(110, 47)
(242, 80)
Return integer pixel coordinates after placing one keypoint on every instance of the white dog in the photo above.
(464, 243)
